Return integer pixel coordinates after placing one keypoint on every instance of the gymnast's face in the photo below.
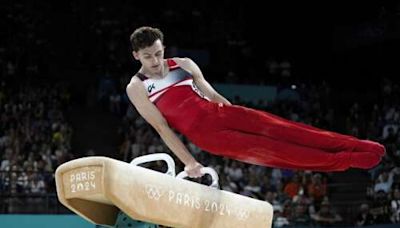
(151, 58)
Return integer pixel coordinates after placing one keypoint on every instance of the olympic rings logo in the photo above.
(153, 192)
(242, 214)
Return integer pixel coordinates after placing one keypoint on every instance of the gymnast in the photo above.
(173, 94)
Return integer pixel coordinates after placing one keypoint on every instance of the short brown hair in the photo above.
(145, 36)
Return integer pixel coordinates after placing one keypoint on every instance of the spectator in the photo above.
(316, 189)
(364, 217)
(384, 182)
(381, 208)
(300, 216)
(395, 205)
(293, 187)
(326, 216)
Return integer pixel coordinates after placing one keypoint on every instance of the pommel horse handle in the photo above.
(157, 157)
(204, 170)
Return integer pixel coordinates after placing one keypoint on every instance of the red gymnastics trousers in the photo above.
(260, 138)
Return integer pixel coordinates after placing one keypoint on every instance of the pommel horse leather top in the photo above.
(97, 188)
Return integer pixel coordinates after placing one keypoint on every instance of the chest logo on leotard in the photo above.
(151, 87)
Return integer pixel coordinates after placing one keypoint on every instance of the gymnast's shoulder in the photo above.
(185, 62)
(181, 60)
(134, 82)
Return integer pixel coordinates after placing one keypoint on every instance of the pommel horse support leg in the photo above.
(97, 188)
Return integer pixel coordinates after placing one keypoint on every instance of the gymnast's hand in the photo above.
(193, 170)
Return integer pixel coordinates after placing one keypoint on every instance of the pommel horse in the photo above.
(98, 188)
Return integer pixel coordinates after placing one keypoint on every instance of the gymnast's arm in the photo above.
(198, 78)
(137, 95)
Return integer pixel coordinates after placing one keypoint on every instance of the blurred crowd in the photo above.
(380, 122)
(94, 38)
(35, 137)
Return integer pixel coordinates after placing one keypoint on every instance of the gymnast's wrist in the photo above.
(191, 162)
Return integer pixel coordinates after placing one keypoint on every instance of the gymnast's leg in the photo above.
(262, 123)
(262, 150)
